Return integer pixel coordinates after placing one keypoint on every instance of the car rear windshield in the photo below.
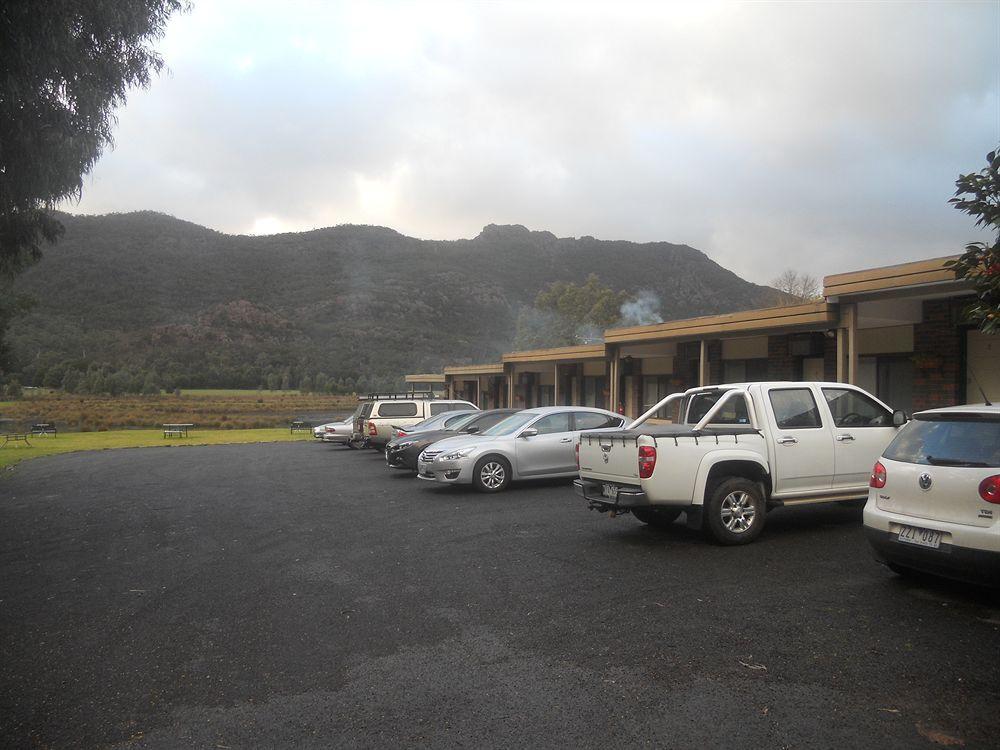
(397, 409)
(510, 424)
(951, 441)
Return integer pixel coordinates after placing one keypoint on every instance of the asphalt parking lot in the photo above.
(300, 594)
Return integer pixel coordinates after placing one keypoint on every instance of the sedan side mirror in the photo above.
(899, 418)
(472, 430)
(530, 432)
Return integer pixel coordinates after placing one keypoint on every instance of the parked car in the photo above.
(402, 452)
(531, 444)
(736, 451)
(380, 412)
(336, 432)
(934, 497)
(431, 424)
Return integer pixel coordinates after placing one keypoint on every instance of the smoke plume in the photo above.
(643, 310)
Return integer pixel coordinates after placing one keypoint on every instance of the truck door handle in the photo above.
(845, 437)
(786, 440)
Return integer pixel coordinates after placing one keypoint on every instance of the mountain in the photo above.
(148, 292)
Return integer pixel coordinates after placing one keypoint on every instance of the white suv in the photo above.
(380, 415)
(934, 497)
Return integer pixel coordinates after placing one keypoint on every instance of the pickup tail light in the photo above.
(878, 476)
(577, 455)
(989, 489)
(647, 461)
(372, 431)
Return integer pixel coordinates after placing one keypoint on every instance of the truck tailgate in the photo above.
(609, 457)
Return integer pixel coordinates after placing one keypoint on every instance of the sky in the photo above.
(822, 137)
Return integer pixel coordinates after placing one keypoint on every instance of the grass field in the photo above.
(71, 442)
(208, 409)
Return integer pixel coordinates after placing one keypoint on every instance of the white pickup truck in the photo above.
(726, 454)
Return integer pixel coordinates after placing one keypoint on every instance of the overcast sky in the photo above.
(825, 137)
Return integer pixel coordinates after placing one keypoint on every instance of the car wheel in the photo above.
(659, 518)
(735, 512)
(492, 474)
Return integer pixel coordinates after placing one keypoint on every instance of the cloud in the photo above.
(827, 133)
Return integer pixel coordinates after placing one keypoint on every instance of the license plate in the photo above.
(920, 537)
(610, 491)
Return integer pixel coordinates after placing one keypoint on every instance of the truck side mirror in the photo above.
(472, 430)
(530, 432)
(899, 418)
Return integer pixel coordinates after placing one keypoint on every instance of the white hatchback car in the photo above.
(934, 497)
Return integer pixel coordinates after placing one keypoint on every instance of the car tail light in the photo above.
(878, 476)
(578, 456)
(372, 431)
(647, 461)
(400, 433)
(989, 489)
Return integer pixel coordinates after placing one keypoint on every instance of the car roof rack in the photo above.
(398, 396)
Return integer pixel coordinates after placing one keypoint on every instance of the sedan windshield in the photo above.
(511, 424)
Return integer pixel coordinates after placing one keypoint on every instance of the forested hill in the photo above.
(149, 293)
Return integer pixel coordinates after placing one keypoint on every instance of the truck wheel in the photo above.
(492, 474)
(735, 512)
(658, 518)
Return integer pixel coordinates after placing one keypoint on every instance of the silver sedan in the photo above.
(532, 444)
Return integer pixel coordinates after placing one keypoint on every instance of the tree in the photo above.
(803, 286)
(978, 195)
(566, 313)
(66, 65)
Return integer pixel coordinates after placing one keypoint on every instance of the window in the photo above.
(853, 409)
(795, 409)
(553, 423)
(949, 440)
(733, 412)
(744, 370)
(588, 420)
(445, 406)
(397, 409)
(455, 421)
(509, 425)
(486, 421)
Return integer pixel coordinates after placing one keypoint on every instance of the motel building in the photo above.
(895, 331)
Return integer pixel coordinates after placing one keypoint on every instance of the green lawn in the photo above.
(69, 442)
(211, 392)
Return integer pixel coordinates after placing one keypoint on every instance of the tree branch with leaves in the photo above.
(978, 195)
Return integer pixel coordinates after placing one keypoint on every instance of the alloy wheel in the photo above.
(492, 475)
(737, 512)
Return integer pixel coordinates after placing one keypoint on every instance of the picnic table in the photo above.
(175, 429)
(44, 428)
(300, 425)
(15, 437)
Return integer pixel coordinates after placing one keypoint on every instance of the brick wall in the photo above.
(937, 356)
(780, 364)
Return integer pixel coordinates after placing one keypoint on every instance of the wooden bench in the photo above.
(44, 428)
(176, 430)
(15, 437)
(300, 426)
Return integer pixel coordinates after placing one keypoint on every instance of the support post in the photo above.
(703, 363)
(847, 345)
(555, 389)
